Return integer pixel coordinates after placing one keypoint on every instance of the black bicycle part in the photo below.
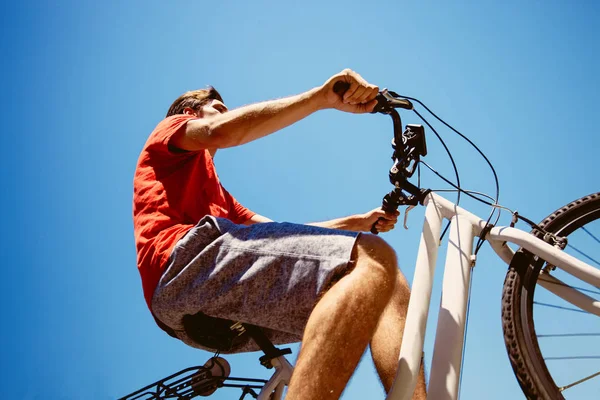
(247, 390)
(271, 352)
(189, 383)
(340, 87)
(408, 147)
(407, 156)
(214, 333)
(517, 299)
(223, 335)
(386, 101)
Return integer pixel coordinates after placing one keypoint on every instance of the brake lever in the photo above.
(406, 215)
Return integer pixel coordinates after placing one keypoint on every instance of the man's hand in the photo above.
(359, 98)
(384, 222)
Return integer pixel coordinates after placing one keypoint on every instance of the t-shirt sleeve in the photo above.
(158, 141)
(237, 212)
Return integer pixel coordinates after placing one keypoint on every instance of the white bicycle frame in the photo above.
(449, 341)
(448, 346)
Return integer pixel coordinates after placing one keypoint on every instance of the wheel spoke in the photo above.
(565, 285)
(583, 228)
(567, 335)
(560, 307)
(587, 378)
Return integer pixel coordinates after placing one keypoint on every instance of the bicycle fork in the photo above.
(449, 342)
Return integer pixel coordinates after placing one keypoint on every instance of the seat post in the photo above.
(265, 345)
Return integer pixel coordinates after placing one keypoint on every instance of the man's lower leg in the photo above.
(385, 345)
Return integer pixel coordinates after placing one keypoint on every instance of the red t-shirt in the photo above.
(172, 191)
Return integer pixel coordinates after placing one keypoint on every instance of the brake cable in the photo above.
(387, 102)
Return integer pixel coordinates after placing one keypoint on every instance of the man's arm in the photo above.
(356, 223)
(251, 122)
(363, 222)
(257, 219)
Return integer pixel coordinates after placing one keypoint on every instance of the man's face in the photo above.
(212, 108)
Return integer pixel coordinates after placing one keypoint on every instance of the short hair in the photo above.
(194, 99)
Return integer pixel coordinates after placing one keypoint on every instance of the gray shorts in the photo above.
(269, 274)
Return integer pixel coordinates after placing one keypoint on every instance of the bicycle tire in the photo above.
(517, 301)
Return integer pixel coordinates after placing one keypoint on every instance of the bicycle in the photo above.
(540, 253)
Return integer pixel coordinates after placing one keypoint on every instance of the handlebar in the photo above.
(409, 145)
(386, 100)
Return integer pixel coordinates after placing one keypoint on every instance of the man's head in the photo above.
(198, 102)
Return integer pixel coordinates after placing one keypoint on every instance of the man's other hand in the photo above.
(384, 221)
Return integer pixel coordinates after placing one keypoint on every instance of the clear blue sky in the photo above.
(85, 82)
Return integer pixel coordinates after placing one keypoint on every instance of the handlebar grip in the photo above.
(374, 230)
(340, 87)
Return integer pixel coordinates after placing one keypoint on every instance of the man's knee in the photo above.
(377, 249)
(376, 253)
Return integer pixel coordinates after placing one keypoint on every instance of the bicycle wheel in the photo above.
(529, 362)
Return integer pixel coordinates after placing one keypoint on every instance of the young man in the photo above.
(326, 284)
